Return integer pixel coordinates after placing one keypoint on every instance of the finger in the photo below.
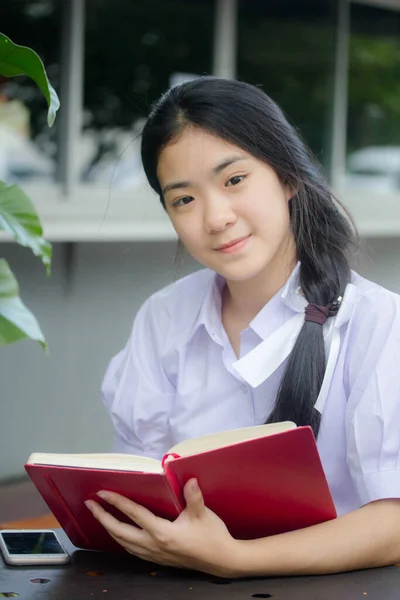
(139, 514)
(145, 553)
(123, 531)
(195, 506)
(140, 551)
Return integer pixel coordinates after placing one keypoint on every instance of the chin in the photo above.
(241, 272)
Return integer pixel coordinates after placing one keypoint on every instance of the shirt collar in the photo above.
(291, 294)
(286, 301)
(286, 313)
(265, 358)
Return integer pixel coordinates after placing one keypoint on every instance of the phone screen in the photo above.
(31, 542)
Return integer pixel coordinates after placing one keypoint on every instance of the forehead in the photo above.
(195, 152)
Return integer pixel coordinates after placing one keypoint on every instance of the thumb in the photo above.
(194, 499)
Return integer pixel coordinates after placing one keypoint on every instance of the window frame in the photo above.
(72, 211)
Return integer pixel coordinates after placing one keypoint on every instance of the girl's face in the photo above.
(228, 208)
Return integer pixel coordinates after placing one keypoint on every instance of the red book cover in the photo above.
(258, 487)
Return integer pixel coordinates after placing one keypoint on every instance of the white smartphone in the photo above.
(32, 547)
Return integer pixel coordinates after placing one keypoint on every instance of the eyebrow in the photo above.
(177, 185)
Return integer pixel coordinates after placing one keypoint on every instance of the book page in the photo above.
(227, 438)
(131, 462)
(114, 462)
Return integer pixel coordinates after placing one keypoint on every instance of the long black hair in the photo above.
(246, 117)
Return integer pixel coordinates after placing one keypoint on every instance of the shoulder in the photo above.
(178, 305)
(373, 304)
(183, 298)
(371, 375)
(373, 331)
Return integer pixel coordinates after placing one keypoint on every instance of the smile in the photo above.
(234, 246)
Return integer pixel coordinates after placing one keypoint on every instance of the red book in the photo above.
(260, 480)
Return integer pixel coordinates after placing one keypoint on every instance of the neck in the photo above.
(246, 298)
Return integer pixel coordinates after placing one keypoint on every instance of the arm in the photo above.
(198, 539)
(136, 391)
(367, 537)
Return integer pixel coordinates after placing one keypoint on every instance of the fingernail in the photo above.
(89, 505)
(194, 486)
(104, 495)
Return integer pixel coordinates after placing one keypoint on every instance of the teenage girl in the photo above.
(276, 327)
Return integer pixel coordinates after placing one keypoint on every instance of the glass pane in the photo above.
(288, 47)
(373, 132)
(134, 52)
(28, 147)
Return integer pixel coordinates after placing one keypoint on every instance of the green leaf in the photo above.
(20, 60)
(16, 320)
(18, 216)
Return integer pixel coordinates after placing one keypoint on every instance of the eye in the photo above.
(235, 180)
(183, 201)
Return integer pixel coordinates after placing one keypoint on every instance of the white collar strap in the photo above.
(265, 358)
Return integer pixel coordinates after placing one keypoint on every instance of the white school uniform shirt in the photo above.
(178, 378)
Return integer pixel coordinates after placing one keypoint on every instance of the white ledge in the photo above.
(95, 214)
(98, 214)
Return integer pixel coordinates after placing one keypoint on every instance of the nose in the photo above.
(218, 213)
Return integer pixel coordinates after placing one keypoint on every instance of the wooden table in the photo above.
(92, 576)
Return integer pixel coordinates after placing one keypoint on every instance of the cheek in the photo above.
(272, 215)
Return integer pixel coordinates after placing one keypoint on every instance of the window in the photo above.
(133, 52)
(373, 123)
(288, 48)
(28, 147)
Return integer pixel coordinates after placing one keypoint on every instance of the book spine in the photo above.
(61, 510)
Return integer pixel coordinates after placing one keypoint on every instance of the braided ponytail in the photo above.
(323, 236)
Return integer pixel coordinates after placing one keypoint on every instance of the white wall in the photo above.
(53, 404)
(86, 308)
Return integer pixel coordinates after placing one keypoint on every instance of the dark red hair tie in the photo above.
(317, 314)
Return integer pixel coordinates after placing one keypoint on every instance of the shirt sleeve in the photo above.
(135, 390)
(373, 410)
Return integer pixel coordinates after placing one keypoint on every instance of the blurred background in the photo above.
(333, 66)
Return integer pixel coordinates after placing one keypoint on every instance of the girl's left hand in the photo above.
(198, 539)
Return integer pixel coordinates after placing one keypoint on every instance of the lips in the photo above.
(232, 243)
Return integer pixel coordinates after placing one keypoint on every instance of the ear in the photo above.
(289, 192)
